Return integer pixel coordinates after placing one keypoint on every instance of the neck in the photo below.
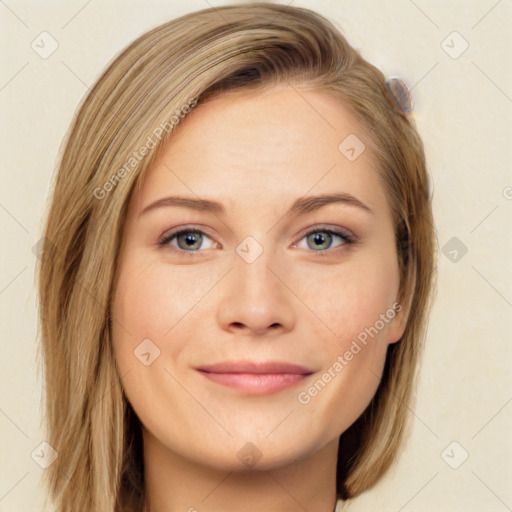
(174, 484)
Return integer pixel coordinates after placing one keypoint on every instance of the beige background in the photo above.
(463, 110)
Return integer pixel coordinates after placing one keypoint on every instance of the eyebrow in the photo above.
(301, 206)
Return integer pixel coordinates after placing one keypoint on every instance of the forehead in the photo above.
(266, 148)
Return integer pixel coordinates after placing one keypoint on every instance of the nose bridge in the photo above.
(255, 297)
(253, 268)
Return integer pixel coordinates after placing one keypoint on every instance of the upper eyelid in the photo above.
(327, 227)
(179, 229)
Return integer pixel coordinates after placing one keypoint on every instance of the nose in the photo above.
(256, 299)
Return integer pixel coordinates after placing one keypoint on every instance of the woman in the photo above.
(242, 265)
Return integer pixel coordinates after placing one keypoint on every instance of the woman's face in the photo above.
(256, 280)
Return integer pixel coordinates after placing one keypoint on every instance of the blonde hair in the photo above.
(88, 419)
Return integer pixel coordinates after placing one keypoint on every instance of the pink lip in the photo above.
(256, 378)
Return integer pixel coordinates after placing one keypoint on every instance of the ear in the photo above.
(398, 323)
(402, 307)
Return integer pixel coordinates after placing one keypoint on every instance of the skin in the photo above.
(255, 153)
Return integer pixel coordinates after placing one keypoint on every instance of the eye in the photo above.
(191, 240)
(320, 239)
(186, 240)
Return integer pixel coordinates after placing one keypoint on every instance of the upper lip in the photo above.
(255, 367)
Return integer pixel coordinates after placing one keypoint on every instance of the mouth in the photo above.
(256, 378)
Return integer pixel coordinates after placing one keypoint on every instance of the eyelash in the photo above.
(348, 240)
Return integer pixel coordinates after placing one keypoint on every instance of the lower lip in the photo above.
(256, 383)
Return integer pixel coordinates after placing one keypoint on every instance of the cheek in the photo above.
(151, 302)
(139, 310)
(156, 301)
(152, 298)
(355, 308)
(351, 298)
